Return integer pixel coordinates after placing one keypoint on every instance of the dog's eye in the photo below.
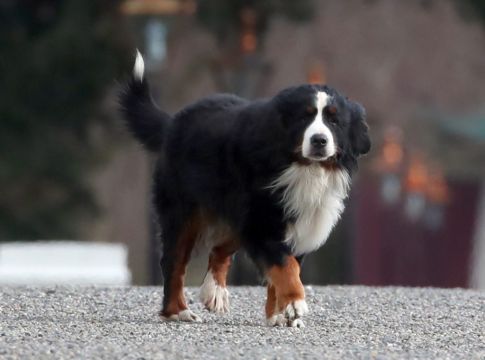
(331, 113)
(330, 110)
(311, 110)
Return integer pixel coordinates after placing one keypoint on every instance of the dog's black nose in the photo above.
(318, 140)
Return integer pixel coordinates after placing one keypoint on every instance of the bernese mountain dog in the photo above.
(267, 176)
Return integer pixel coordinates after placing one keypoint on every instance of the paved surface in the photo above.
(344, 322)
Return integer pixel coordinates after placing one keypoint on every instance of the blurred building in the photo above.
(416, 66)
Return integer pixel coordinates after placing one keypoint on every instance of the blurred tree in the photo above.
(226, 19)
(473, 8)
(57, 60)
(239, 28)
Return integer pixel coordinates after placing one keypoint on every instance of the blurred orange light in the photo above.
(158, 7)
(392, 153)
(417, 176)
(316, 73)
(249, 42)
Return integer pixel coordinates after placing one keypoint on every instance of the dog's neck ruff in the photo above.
(314, 197)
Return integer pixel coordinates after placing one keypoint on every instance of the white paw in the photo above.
(297, 323)
(290, 316)
(184, 315)
(277, 320)
(214, 297)
(296, 309)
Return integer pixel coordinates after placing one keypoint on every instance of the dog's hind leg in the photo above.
(178, 239)
(213, 292)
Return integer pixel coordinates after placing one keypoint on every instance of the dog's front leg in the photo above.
(286, 303)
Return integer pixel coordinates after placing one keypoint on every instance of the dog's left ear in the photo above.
(359, 136)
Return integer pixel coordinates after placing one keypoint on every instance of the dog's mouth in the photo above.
(321, 155)
(317, 157)
(326, 161)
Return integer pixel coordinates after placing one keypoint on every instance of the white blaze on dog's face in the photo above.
(318, 140)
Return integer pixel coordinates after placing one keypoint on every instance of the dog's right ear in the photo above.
(359, 130)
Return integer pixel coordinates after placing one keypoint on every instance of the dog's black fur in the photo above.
(221, 153)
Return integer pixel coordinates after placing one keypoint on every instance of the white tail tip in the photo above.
(139, 67)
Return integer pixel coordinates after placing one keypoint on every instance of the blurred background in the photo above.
(75, 188)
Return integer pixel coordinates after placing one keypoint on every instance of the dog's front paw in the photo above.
(291, 315)
(184, 315)
(296, 309)
(214, 297)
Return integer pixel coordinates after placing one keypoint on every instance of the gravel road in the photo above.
(344, 322)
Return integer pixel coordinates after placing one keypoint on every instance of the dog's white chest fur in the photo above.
(315, 197)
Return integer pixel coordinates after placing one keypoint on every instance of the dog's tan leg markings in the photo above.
(270, 307)
(286, 295)
(213, 293)
(176, 308)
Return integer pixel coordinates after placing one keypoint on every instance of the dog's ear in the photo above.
(359, 136)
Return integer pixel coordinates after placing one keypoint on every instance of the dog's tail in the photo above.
(144, 119)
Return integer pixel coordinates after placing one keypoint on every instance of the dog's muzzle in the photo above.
(318, 147)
